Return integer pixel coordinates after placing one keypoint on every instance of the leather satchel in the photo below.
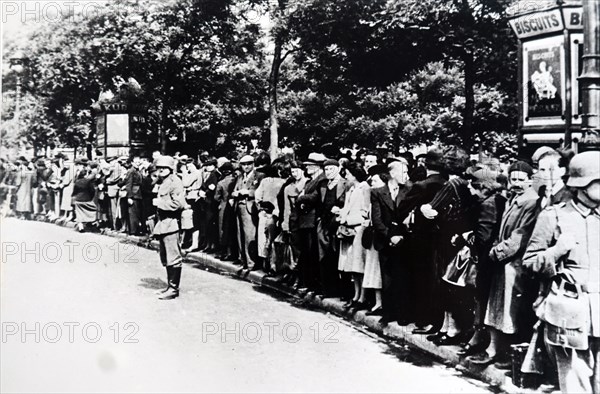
(187, 219)
(462, 270)
(566, 312)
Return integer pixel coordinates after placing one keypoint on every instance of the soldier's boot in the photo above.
(161, 291)
(173, 291)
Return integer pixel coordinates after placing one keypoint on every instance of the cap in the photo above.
(210, 162)
(521, 166)
(247, 159)
(535, 158)
(331, 162)
(378, 169)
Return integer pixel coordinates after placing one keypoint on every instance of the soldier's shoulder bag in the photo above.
(566, 312)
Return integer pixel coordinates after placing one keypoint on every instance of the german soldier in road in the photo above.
(169, 203)
(564, 249)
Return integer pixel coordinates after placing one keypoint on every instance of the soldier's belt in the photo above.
(168, 214)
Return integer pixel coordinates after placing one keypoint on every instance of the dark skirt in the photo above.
(85, 211)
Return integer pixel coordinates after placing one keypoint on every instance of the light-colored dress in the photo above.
(354, 213)
(25, 180)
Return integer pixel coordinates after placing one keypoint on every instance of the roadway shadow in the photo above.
(152, 283)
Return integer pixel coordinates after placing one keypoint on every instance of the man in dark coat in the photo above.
(306, 205)
(421, 243)
(210, 206)
(389, 241)
(133, 189)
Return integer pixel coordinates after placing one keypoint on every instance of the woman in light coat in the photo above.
(372, 276)
(26, 178)
(355, 215)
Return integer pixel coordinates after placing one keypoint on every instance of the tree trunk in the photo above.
(469, 100)
(273, 115)
(162, 127)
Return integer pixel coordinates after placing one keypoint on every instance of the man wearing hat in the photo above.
(226, 218)
(170, 201)
(112, 191)
(243, 195)
(332, 194)
(564, 248)
(211, 176)
(509, 314)
(306, 205)
(132, 184)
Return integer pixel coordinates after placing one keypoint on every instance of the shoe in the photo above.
(435, 337)
(469, 350)
(375, 312)
(169, 294)
(424, 330)
(503, 364)
(481, 359)
(161, 291)
(403, 322)
(446, 340)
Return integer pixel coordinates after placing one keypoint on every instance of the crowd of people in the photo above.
(480, 254)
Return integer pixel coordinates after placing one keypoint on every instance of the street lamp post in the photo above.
(17, 64)
(590, 76)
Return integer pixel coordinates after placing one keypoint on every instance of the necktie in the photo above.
(394, 193)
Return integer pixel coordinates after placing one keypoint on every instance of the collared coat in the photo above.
(307, 202)
(169, 202)
(511, 288)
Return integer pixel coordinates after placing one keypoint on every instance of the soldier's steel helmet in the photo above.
(165, 162)
(584, 169)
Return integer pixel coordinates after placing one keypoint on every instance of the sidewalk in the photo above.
(401, 334)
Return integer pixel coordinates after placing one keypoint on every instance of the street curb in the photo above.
(402, 334)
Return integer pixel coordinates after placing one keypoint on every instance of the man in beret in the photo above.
(509, 312)
(243, 195)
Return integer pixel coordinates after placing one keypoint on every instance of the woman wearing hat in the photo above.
(83, 196)
(355, 216)
(26, 178)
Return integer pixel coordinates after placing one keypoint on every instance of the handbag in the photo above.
(345, 232)
(566, 312)
(367, 237)
(462, 270)
(187, 219)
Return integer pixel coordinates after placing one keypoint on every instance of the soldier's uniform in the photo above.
(579, 370)
(169, 203)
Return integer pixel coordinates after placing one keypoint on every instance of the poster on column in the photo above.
(544, 81)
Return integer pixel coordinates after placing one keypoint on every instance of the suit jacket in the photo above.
(421, 193)
(306, 204)
(251, 183)
(516, 227)
(133, 184)
(385, 215)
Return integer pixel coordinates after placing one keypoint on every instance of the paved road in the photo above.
(100, 328)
